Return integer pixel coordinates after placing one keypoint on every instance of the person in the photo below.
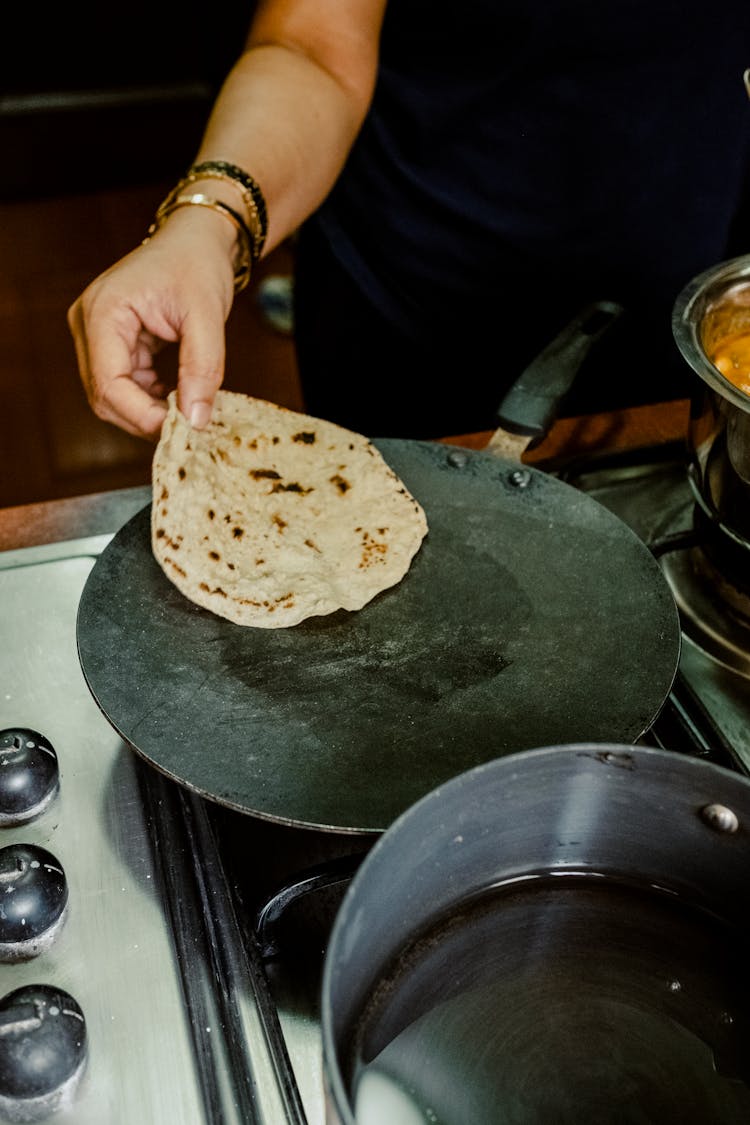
(459, 182)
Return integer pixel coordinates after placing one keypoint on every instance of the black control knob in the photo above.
(42, 1051)
(29, 775)
(33, 901)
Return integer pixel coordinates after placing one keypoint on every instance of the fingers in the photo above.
(133, 409)
(116, 392)
(124, 319)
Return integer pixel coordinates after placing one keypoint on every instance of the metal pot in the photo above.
(554, 935)
(714, 307)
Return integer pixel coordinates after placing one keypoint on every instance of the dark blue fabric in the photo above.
(576, 146)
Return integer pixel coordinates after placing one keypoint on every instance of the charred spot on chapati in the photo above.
(313, 546)
(175, 567)
(214, 555)
(238, 532)
(307, 437)
(216, 590)
(292, 487)
(164, 493)
(173, 543)
(181, 472)
(281, 525)
(211, 514)
(340, 483)
(372, 551)
(264, 474)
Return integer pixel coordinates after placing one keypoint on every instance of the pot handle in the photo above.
(532, 403)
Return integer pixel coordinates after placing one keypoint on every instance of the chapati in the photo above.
(269, 516)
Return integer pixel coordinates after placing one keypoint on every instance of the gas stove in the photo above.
(162, 953)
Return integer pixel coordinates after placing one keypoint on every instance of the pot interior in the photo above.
(557, 937)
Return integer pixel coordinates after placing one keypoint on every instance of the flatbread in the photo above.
(268, 516)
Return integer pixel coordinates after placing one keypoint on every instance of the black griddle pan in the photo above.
(531, 616)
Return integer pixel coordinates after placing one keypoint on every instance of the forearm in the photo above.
(289, 117)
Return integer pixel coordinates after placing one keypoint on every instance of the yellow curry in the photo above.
(732, 358)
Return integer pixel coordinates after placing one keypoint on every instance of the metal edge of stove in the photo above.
(52, 552)
(246, 1071)
(204, 1004)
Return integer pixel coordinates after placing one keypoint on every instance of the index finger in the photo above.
(108, 382)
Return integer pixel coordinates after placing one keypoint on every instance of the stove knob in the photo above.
(29, 775)
(33, 901)
(42, 1051)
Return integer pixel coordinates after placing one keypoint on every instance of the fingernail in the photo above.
(200, 415)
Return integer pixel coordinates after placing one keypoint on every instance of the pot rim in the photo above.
(687, 314)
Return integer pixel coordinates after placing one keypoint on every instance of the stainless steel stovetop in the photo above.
(197, 983)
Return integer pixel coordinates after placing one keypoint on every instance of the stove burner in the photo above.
(33, 901)
(709, 608)
(29, 775)
(42, 1051)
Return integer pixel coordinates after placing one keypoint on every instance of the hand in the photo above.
(177, 288)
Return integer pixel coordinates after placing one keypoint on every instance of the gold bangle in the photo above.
(174, 200)
(249, 189)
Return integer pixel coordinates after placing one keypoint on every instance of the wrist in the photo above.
(187, 206)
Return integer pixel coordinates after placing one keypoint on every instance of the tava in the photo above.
(531, 616)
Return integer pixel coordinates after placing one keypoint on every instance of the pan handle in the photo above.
(532, 403)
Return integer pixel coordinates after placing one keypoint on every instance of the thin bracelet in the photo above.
(174, 200)
(256, 230)
(250, 189)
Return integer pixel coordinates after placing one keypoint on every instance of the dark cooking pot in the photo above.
(560, 936)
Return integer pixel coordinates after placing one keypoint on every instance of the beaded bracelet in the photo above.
(252, 195)
(175, 200)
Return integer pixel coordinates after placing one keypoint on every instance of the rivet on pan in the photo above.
(457, 459)
(519, 478)
(720, 818)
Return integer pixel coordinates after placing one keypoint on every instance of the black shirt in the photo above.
(597, 149)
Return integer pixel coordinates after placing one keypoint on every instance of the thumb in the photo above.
(201, 370)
